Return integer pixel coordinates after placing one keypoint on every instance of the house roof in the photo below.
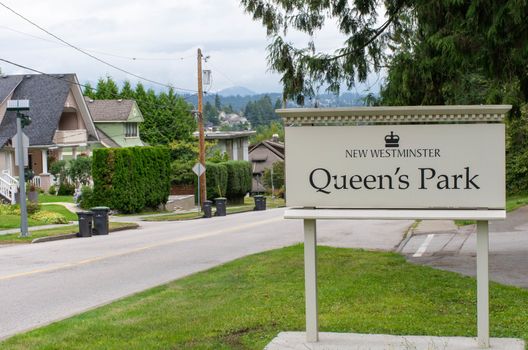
(219, 135)
(275, 147)
(47, 95)
(109, 110)
(8, 83)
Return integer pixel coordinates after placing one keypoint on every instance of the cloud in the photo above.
(161, 29)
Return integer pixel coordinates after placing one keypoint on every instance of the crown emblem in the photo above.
(392, 140)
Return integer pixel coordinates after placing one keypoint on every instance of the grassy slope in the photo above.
(15, 237)
(245, 303)
(248, 205)
(48, 198)
(512, 203)
(13, 221)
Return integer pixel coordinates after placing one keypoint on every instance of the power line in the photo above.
(86, 86)
(132, 58)
(93, 56)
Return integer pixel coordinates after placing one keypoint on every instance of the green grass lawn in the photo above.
(174, 217)
(248, 205)
(15, 237)
(245, 303)
(13, 221)
(48, 198)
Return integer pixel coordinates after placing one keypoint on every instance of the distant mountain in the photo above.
(239, 102)
(236, 91)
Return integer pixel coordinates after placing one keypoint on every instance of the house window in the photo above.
(131, 130)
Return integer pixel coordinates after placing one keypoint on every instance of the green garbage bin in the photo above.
(100, 218)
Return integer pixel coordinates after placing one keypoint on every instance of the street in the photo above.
(454, 249)
(42, 283)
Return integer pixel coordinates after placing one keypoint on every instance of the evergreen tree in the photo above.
(89, 91)
(127, 93)
(106, 89)
(218, 104)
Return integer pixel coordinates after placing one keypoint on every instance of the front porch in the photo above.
(38, 162)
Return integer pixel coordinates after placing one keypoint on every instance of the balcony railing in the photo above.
(64, 137)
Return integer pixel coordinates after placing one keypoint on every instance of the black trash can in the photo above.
(85, 223)
(207, 209)
(260, 202)
(100, 218)
(221, 206)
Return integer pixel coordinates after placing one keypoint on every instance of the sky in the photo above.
(163, 36)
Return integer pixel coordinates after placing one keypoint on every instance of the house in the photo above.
(61, 126)
(116, 121)
(234, 143)
(232, 119)
(262, 156)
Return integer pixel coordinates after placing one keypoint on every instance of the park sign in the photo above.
(422, 157)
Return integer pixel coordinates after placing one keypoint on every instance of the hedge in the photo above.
(130, 179)
(238, 180)
(216, 180)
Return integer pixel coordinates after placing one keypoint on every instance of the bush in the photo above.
(216, 180)
(52, 190)
(238, 180)
(182, 173)
(80, 170)
(58, 170)
(49, 217)
(87, 199)
(32, 208)
(66, 189)
(6, 209)
(130, 179)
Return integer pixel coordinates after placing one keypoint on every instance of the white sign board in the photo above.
(25, 143)
(199, 169)
(396, 166)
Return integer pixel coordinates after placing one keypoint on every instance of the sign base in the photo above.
(354, 341)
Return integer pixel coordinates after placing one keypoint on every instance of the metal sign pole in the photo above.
(310, 280)
(482, 284)
(199, 207)
(21, 180)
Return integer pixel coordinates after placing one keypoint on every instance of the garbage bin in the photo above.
(85, 223)
(100, 218)
(260, 202)
(220, 206)
(207, 209)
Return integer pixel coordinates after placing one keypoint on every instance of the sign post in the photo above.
(199, 169)
(423, 162)
(22, 143)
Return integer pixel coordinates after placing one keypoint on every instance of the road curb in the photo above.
(74, 235)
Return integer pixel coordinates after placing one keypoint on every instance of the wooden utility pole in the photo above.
(203, 192)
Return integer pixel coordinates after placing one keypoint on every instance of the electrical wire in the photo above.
(91, 55)
(132, 58)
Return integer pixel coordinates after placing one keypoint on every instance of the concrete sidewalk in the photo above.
(36, 228)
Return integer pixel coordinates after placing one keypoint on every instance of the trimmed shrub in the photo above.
(182, 173)
(216, 180)
(87, 199)
(66, 189)
(238, 180)
(130, 179)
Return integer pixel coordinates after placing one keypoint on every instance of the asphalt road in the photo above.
(42, 283)
(455, 250)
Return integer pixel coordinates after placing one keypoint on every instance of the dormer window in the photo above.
(131, 129)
